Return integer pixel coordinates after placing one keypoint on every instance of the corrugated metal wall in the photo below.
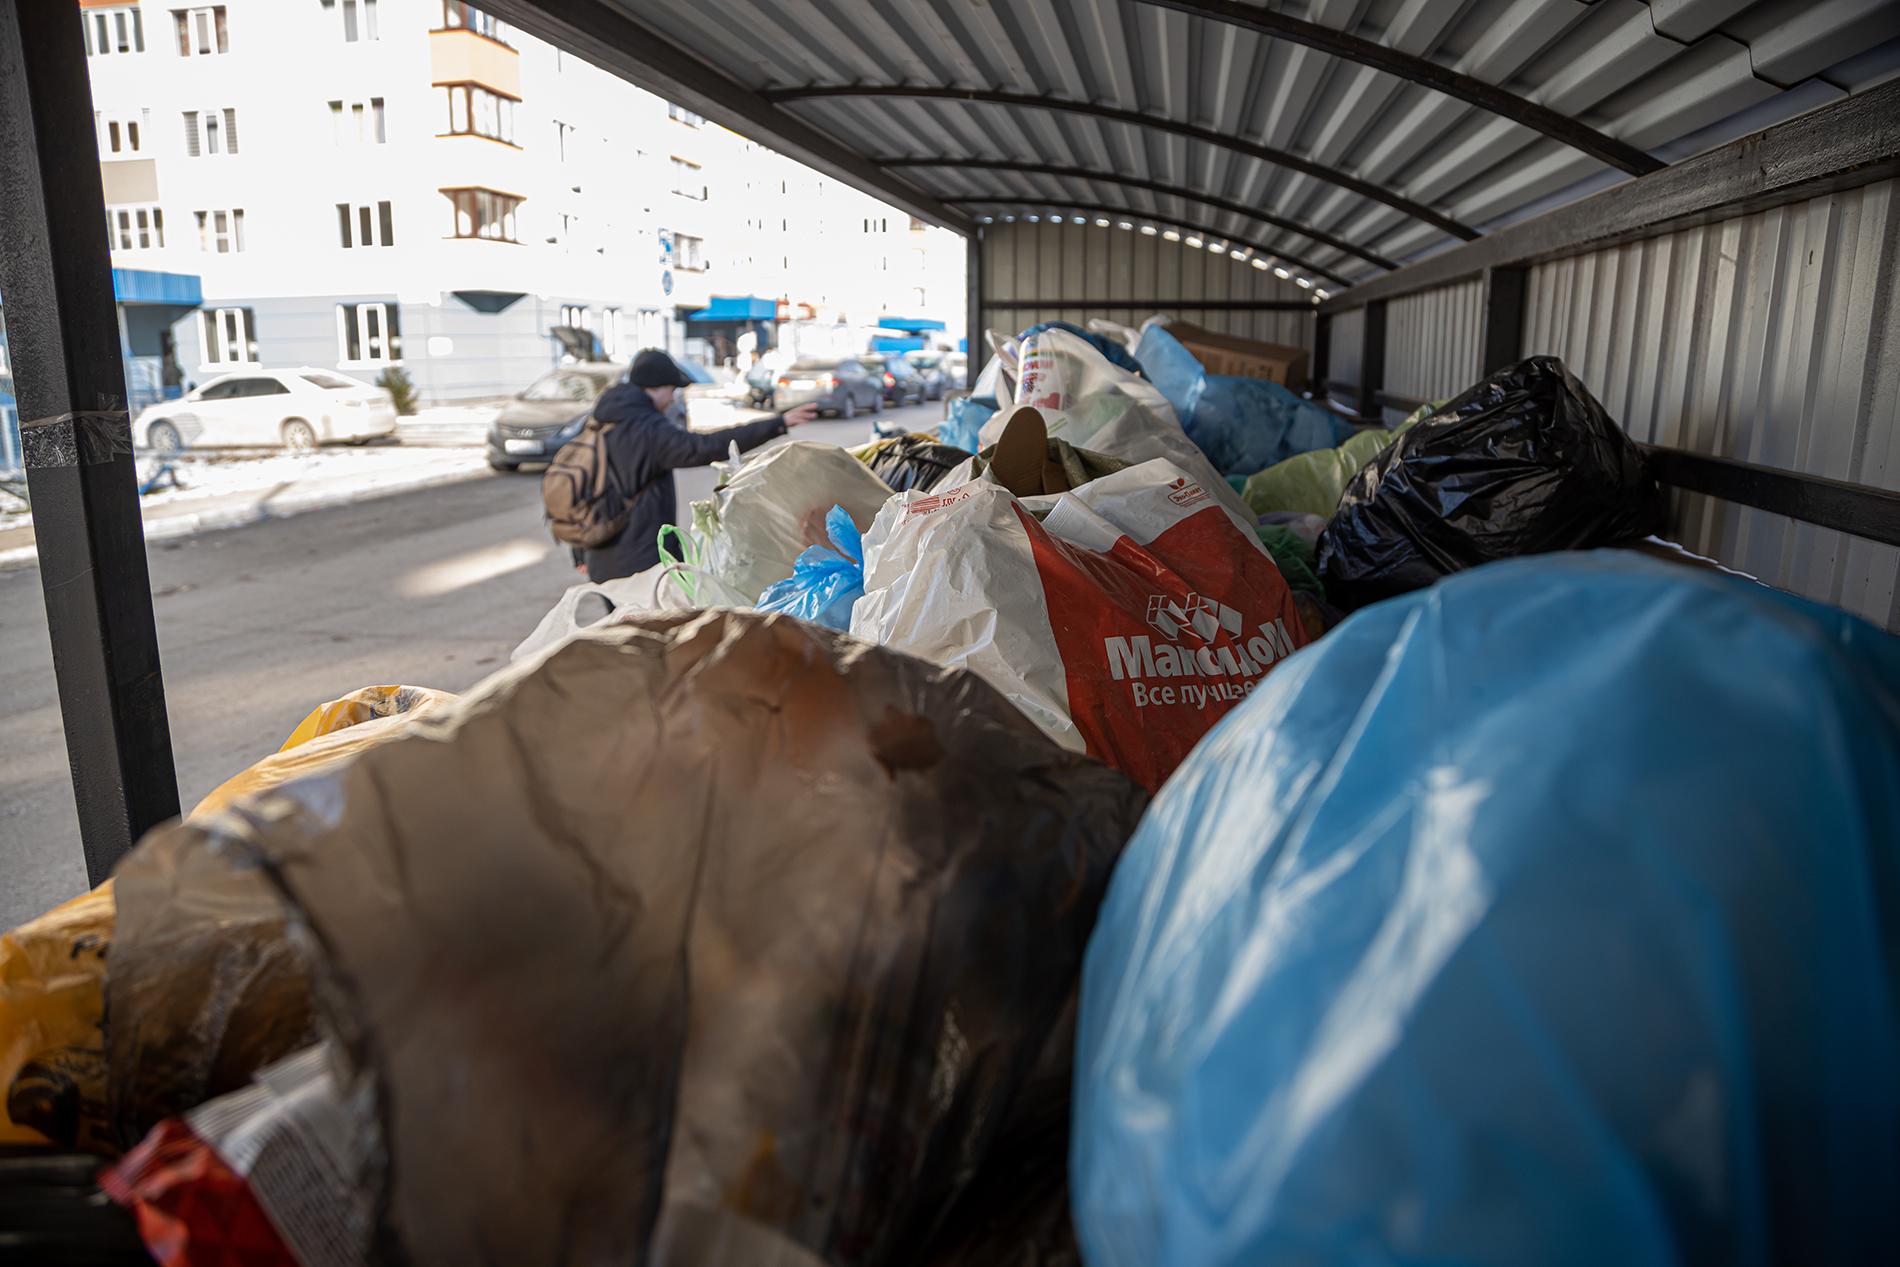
(1431, 341)
(1070, 271)
(1771, 338)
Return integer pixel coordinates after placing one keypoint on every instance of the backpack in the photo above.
(584, 503)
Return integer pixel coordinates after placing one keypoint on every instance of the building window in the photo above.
(610, 319)
(358, 122)
(465, 17)
(563, 132)
(691, 252)
(121, 135)
(358, 18)
(368, 334)
(688, 180)
(221, 232)
(114, 31)
(483, 213)
(136, 227)
(475, 111)
(211, 132)
(577, 317)
(683, 115)
(229, 336)
(365, 224)
(201, 31)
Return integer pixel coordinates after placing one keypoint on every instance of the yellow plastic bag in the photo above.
(52, 969)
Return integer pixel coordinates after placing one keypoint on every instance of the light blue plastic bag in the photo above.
(1242, 424)
(967, 414)
(824, 583)
(1546, 916)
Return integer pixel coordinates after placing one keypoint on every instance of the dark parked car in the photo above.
(929, 367)
(534, 425)
(903, 385)
(840, 387)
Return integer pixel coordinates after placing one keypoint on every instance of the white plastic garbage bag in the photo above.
(1126, 623)
(655, 590)
(772, 505)
(1094, 404)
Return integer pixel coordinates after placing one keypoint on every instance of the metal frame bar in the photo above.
(973, 300)
(1502, 342)
(63, 335)
(1134, 118)
(1154, 305)
(612, 38)
(1851, 142)
(1031, 205)
(1152, 186)
(1372, 355)
(1425, 73)
(1872, 513)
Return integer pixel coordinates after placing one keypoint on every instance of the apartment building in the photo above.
(365, 184)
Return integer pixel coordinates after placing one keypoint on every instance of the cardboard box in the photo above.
(1243, 358)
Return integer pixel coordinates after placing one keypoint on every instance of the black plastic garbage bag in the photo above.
(914, 462)
(1524, 463)
(708, 938)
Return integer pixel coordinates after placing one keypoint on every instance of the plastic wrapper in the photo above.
(1115, 351)
(824, 582)
(1093, 405)
(1311, 483)
(912, 462)
(1547, 916)
(770, 506)
(1525, 462)
(713, 937)
(1242, 424)
(1124, 617)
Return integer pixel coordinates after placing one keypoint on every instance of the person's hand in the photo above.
(799, 415)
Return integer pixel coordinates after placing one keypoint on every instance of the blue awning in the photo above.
(894, 343)
(915, 325)
(736, 308)
(137, 286)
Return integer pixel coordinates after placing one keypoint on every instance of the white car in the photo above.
(298, 409)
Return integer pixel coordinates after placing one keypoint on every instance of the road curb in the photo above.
(288, 506)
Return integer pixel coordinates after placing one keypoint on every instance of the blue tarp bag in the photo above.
(1110, 348)
(824, 583)
(1242, 424)
(967, 414)
(1546, 916)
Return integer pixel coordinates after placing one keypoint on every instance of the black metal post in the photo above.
(1322, 352)
(1372, 363)
(63, 333)
(973, 297)
(1504, 290)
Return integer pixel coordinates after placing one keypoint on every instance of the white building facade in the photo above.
(373, 184)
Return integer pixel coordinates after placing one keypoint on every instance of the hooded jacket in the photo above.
(644, 448)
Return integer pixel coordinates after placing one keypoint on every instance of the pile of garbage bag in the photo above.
(1311, 483)
(1242, 424)
(1548, 915)
(764, 976)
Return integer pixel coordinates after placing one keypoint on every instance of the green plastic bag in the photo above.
(1293, 556)
(1310, 483)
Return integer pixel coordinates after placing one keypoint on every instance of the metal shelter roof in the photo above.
(1344, 137)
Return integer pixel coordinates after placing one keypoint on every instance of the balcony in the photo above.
(461, 56)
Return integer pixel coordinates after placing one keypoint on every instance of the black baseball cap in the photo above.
(654, 368)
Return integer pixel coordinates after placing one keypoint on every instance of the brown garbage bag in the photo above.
(709, 937)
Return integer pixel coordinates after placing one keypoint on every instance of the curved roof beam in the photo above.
(1152, 186)
(1425, 73)
(1135, 118)
(1035, 206)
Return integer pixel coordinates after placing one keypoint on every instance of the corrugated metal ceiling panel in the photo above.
(1657, 75)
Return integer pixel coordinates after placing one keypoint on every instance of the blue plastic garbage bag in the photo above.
(966, 415)
(1547, 916)
(1242, 424)
(1110, 348)
(824, 583)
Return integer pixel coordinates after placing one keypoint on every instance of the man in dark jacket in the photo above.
(644, 448)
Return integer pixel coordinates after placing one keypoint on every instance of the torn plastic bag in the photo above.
(912, 462)
(770, 506)
(1096, 406)
(1525, 462)
(1548, 916)
(262, 1176)
(1242, 424)
(1127, 621)
(824, 582)
(203, 990)
(1310, 483)
(712, 929)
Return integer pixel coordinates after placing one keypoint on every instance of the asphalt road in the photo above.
(257, 625)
